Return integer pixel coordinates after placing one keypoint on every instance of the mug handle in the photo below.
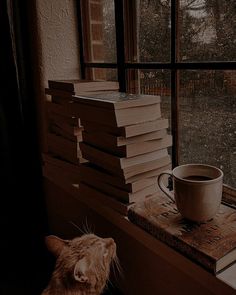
(161, 185)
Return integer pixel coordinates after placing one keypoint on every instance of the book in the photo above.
(62, 165)
(118, 193)
(153, 170)
(93, 172)
(127, 131)
(116, 117)
(69, 132)
(210, 244)
(130, 147)
(97, 156)
(67, 122)
(62, 170)
(58, 95)
(65, 110)
(111, 140)
(117, 100)
(105, 200)
(64, 148)
(77, 86)
(129, 172)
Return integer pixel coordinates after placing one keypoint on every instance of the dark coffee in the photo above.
(197, 178)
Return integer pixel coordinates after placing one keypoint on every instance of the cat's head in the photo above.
(84, 260)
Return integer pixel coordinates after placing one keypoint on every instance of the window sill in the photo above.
(224, 283)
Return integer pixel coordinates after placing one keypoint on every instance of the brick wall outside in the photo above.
(96, 37)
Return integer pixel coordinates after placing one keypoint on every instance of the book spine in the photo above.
(96, 114)
(59, 93)
(59, 85)
(106, 177)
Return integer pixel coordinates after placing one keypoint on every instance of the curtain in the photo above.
(23, 217)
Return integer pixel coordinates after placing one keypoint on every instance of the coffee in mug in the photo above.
(197, 190)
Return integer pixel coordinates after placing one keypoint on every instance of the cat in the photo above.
(82, 265)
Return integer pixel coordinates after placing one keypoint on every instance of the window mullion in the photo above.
(81, 40)
(174, 80)
(119, 21)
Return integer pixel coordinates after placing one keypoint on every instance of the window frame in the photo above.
(126, 8)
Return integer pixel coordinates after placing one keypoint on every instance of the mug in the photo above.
(197, 190)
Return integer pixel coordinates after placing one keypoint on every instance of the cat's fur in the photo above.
(82, 265)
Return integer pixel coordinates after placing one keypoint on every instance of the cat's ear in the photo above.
(80, 270)
(55, 244)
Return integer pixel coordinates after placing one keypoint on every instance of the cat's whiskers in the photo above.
(76, 226)
(85, 230)
(109, 282)
(116, 266)
(86, 227)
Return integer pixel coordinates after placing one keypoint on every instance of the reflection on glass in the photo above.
(102, 74)
(207, 30)
(207, 121)
(101, 29)
(153, 31)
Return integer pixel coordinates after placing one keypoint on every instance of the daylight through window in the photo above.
(184, 51)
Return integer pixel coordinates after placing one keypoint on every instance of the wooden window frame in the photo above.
(124, 13)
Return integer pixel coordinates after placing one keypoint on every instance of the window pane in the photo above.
(102, 74)
(153, 82)
(208, 30)
(100, 27)
(207, 120)
(150, 30)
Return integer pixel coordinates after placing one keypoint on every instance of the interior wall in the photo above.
(57, 23)
(55, 45)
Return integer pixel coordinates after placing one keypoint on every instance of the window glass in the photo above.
(103, 74)
(152, 82)
(101, 31)
(207, 121)
(207, 30)
(152, 30)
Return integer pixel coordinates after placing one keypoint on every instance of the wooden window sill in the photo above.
(223, 283)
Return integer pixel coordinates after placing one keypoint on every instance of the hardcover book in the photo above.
(211, 244)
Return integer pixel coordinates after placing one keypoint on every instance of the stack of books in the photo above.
(126, 143)
(64, 129)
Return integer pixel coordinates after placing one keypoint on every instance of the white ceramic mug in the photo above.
(197, 190)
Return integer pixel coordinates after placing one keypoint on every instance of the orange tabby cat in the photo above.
(82, 266)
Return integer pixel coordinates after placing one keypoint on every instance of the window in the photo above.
(183, 50)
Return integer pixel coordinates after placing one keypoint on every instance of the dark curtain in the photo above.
(23, 225)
